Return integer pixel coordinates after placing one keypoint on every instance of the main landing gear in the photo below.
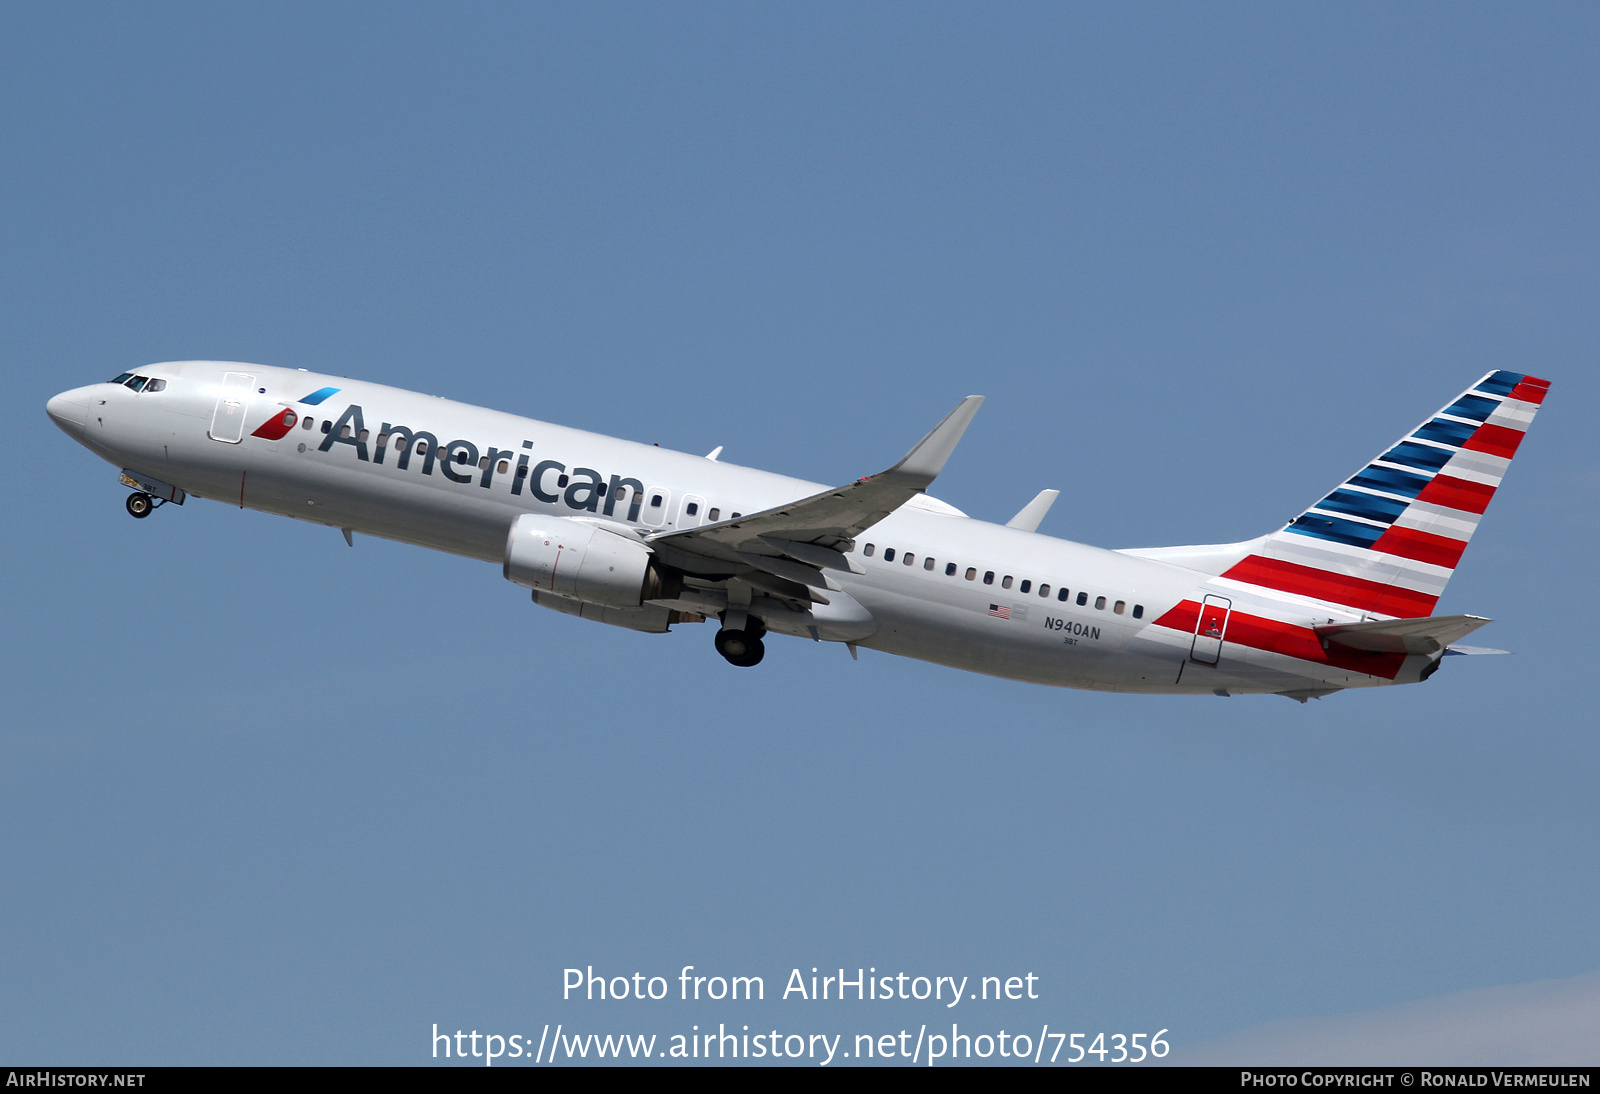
(742, 647)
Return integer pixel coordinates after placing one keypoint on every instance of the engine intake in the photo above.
(577, 560)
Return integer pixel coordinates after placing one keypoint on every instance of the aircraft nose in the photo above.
(69, 409)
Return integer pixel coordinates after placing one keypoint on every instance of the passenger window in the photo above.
(422, 446)
(909, 558)
(1120, 606)
(1063, 594)
(383, 439)
(344, 431)
(308, 423)
(362, 436)
(327, 426)
(869, 549)
(562, 480)
(155, 385)
(988, 577)
(655, 499)
(1025, 586)
(600, 489)
(692, 508)
(502, 467)
(1138, 611)
(888, 554)
(972, 572)
(715, 514)
(1044, 589)
(1083, 598)
(1099, 603)
(138, 382)
(522, 471)
(927, 564)
(461, 457)
(950, 569)
(734, 517)
(1005, 582)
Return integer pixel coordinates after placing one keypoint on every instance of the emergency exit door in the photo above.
(1210, 628)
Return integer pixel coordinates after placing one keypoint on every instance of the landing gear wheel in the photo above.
(139, 505)
(741, 648)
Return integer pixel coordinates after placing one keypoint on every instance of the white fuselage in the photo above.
(1090, 640)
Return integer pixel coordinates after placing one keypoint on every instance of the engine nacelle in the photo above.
(576, 560)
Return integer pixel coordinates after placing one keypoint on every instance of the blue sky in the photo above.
(264, 798)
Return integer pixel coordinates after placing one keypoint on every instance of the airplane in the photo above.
(636, 536)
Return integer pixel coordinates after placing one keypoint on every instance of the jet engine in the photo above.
(576, 560)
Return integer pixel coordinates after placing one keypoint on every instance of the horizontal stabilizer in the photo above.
(1473, 651)
(1031, 514)
(1427, 635)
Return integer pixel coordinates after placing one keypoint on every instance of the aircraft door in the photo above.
(1210, 628)
(657, 499)
(227, 421)
(692, 512)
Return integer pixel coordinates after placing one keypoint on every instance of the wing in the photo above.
(796, 542)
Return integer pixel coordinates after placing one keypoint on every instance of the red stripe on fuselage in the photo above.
(1276, 636)
(1496, 440)
(1422, 546)
(1454, 493)
(276, 427)
(1353, 592)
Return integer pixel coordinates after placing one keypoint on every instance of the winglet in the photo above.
(927, 459)
(1028, 518)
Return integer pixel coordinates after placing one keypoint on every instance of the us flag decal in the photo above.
(999, 611)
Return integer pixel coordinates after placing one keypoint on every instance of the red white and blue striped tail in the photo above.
(1387, 540)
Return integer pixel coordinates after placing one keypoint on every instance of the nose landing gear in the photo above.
(742, 646)
(149, 493)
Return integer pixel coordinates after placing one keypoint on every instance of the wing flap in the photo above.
(787, 568)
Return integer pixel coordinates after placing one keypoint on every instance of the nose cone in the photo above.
(69, 409)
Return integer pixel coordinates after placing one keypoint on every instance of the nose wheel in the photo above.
(742, 647)
(139, 504)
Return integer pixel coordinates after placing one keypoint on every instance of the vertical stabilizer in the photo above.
(1386, 541)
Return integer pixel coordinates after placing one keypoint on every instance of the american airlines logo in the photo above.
(581, 488)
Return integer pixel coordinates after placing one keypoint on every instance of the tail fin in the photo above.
(1387, 540)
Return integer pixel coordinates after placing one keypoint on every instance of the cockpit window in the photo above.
(155, 385)
(138, 382)
(121, 379)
